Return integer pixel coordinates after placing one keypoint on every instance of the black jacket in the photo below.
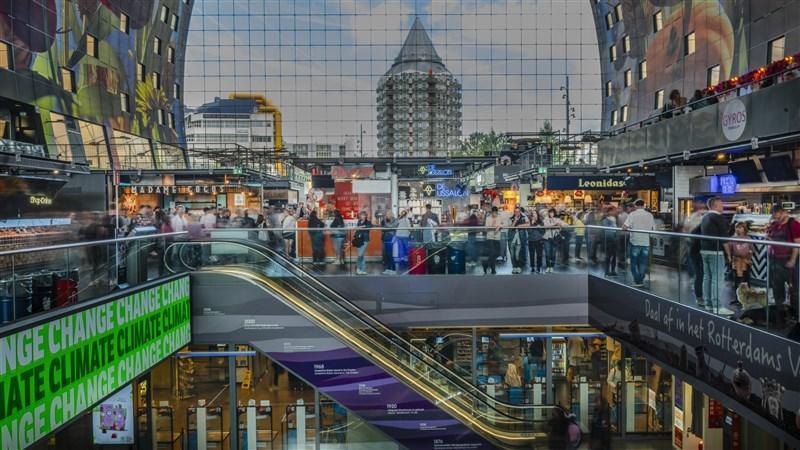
(713, 225)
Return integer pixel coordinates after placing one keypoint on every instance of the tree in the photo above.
(480, 143)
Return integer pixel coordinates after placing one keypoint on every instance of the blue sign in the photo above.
(430, 170)
(727, 184)
(445, 191)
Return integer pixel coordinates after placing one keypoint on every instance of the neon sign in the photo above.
(430, 170)
(727, 184)
(444, 191)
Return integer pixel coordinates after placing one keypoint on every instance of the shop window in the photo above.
(609, 87)
(712, 77)
(776, 49)
(643, 69)
(628, 78)
(164, 15)
(626, 44)
(173, 22)
(68, 79)
(618, 12)
(91, 46)
(624, 114)
(156, 79)
(612, 53)
(171, 54)
(124, 23)
(176, 91)
(157, 45)
(658, 21)
(171, 119)
(609, 21)
(161, 118)
(125, 102)
(659, 99)
(614, 118)
(141, 72)
(6, 56)
(689, 44)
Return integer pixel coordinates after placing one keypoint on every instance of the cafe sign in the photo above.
(198, 189)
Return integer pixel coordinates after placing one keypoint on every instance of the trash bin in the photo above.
(456, 258)
(416, 260)
(437, 258)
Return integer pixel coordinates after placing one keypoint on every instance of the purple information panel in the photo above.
(381, 400)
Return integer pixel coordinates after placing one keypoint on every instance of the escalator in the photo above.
(408, 394)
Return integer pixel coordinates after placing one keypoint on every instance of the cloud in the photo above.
(321, 61)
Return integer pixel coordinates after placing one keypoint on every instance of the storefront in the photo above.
(192, 192)
(586, 191)
(447, 198)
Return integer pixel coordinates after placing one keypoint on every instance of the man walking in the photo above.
(639, 219)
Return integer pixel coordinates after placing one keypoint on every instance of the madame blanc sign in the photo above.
(55, 371)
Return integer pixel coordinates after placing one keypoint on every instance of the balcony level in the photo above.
(741, 120)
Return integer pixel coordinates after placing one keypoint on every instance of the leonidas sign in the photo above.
(53, 372)
(599, 183)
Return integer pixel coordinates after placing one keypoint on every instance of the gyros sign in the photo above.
(734, 120)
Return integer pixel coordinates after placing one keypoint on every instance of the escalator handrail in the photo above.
(482, 396)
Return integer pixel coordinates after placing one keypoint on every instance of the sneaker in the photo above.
(360, 272)
(700, 303)
(638, 285)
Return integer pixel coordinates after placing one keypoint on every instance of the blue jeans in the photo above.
(388, 257)
(549, 253)
(338, 245)
(362, 264)
(640, 254)
(713, 275)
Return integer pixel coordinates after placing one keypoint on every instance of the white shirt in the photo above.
(640, 219)
(178, 223)
(208, 221)
(289, 223)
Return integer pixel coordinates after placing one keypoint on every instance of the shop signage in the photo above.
(430, 170)
(734, 119)
(600, 183)
(352, 172)
(442, 190)
(727, 184)
(40, 200)
(55, 371)
(166, 190)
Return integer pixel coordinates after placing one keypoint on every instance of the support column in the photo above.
(318, 422)
(233, 418)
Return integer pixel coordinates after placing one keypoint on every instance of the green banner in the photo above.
(53, 372)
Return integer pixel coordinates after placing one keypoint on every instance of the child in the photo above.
(742, 258)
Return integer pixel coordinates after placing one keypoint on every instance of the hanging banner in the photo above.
(53, 372)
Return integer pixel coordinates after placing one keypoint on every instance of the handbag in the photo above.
(357, 241)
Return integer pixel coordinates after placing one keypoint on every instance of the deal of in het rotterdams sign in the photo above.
(53, 372)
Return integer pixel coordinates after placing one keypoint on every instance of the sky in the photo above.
(321, 61)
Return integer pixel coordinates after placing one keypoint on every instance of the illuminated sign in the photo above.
(53, 372)
(430, 170)
(442, 190)
(199, 189)
(727, 184)
(40, 200)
